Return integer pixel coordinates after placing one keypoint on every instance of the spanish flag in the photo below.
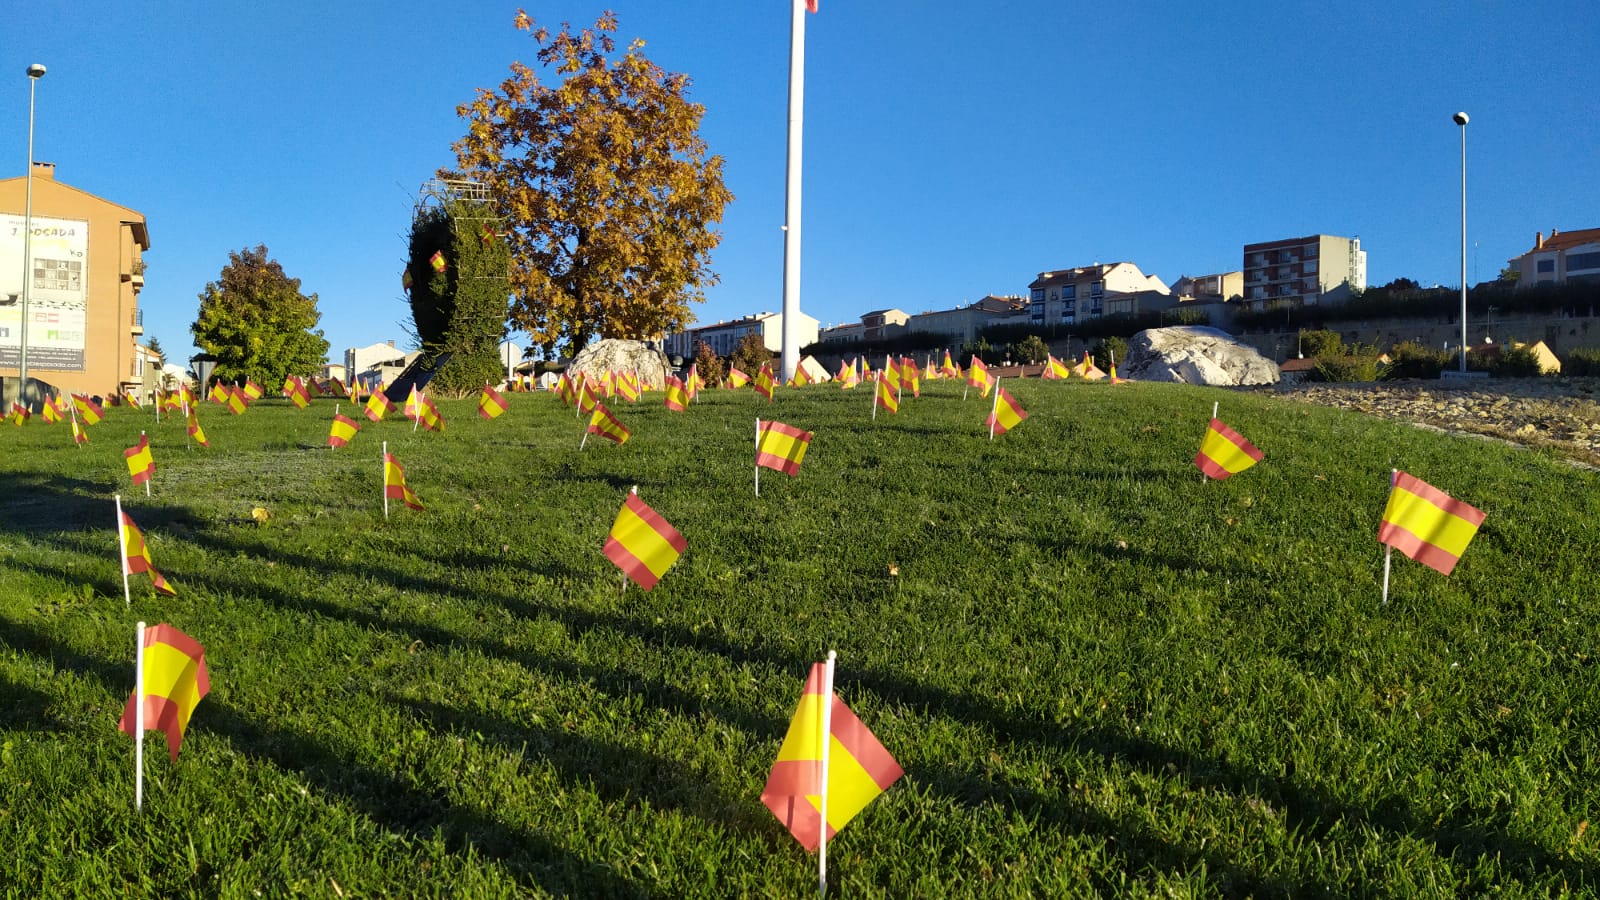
(429, 414)
(19, 414)
(1088, 369)
(174, 677)
(1427, 524)
(1114, 379)
(891, 376)
(131, 398)
(141, 465)
(413, 407)
(1225, 452)
(909, 375)
(628, 386)
(1055, 369)
(51, 414)
(1006, 415)
(297, 393)
(978, 376)
(490, 403)
(342, 431)
(857, 767)
(437, 261)
(80, 435)
(219, 393)
(606, 425)
(781, 447)
(252, 390)
(195, 431)
(677, 394)
(950, 369)
(88, 410)
(377, 405)
(737, 379)
(565, 391)
(587, 398)
(136, 557)
(765, 383)
(885, 395)
(694, 382)
(643, 544)
(236, 402)
(394, 483)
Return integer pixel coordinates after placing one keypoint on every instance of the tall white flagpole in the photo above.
(791, 218)
(138, 717)
(827, 740)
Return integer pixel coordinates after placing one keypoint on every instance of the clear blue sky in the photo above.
(953, 149)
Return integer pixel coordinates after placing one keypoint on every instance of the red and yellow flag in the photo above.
(413, 408)
(587, 395)
(643, 544)
(1055, 369)
(859, 768)
(19, 414)
(195, 431)
(377, 405)
(429, 414)
(88, 410)
(141, 465)
(137, 557)
(909, 376)
(80, 435)
(1427, 524)
(765, 383)
(950, 369)
(628, 386)
(131, 398)
(782, 447)
(252, 390)
(298, 395)
(1113, 378)
(737, 379)
(694, 382)
(565, 391)
(342, 431)
(891, 376)
(885, 395)
(437, 261)
(219, 393)
(490, 403)
(978, 376)
(1225, 452)
(175, 679)
(1087, 369)
(677, 394)
(236, 402)
(394, 483)
(1007, 413)
(605, 424)
(51, 414)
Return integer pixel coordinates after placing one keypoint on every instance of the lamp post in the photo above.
(35, 72)
(1460, 119)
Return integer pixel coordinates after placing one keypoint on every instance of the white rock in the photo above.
(1193, 354)
(621, 356)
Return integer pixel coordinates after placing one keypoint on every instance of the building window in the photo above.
(1038, 295)
(1546, 265)
(1096, 289)
(1069, 292)
(1096, 307)
(1310, 267)
(1577, 261)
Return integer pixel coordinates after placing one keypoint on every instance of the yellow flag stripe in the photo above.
(644, 542)
(1428, 522)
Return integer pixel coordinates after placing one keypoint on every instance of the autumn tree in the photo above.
(751, 353)
(458, 276)
(708, 363)
(256, 323)
(607, 189)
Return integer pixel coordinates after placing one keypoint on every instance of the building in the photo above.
(843, 333)
(1304, 271)
(965, 323)
(368, 365)
(883, 323)
(1222, 286)
(1069, 296)
(1564, 257)
(84, 319)
(725, 337)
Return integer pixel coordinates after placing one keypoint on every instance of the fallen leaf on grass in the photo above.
(894, 570)
(260, 514)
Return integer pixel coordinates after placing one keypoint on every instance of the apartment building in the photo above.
(1562, 258)
(1221, 286)
(1304, 271)
(1068, 296)
(87, 270)
(964, 323)
(725, 337)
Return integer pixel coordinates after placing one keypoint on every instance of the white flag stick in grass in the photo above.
(122, 541)
(383, 478)
(1388, 549)
(994, 408)
(138, 704)
(827, 734)
(335, 419)
(142, 437)
(73, 408)
(758, 453)
(873, 381)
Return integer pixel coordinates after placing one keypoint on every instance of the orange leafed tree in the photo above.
(608, 192)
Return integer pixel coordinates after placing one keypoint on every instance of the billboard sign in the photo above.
(58, 293)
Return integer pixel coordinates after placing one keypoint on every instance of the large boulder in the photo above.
(613, 355)
(1193, 354)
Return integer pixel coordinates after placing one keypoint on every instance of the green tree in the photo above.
(605, 184)
(459, 306)
(1031, 350)
(1320, 344)
(154, 345)
(708, 363)
(751, 353)
(1108, 350)
(256, 322)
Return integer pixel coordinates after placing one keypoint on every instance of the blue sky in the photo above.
(952, 149)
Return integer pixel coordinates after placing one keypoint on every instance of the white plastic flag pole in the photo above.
(122, 541)
(758, 456)
(994, 409)
(335, 421)
(384, 481)
(418, 420)
(1388, 552)
(874, 392)
(585, 439)
(147, 480)
(73, 407)
(827, 740)
(1214, 409)
(138, 720)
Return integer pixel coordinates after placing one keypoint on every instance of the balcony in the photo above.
(138, 322)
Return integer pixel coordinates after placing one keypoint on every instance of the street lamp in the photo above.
(35, 72)
(1460, 119)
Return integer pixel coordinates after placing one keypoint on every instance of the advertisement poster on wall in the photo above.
(58, 298)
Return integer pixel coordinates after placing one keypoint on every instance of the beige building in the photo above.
(1069, 296)
(964, 323)
(725, 337)
(1562, 258)
(83, 297)
(1303, 271)
(1221, 286)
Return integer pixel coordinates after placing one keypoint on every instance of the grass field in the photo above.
(1102, 675)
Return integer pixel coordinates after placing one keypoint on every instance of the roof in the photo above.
(1562, 240)
(1062, 276)
(134, 220)
(993, 303)
(1297, 365)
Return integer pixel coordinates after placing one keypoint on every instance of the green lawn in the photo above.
(1102, 675)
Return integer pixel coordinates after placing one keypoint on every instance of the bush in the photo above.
(708, 364)
(750, 355)
(1317, 344)
(1409, 359)
(1108, 351)
(1030, 350)
(1345, 368)
(1505, 361)
(1581, 362)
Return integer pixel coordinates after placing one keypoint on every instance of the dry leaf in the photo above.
(894, 569)
(260, 514)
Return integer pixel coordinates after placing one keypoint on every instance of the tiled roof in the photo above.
(1562, 240)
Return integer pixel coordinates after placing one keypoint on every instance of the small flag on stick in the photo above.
(765, 383)
(737, 379)
(643, 544)
(377, 405)
(394, 484)
(141, 465)
(491, 403)
(605, 424)
(342, 431)
(195, 431)
(88, 410)
(169, 680)
(136, 556)
(1224, 452)
(1427, 524)
(677, 394)
(1006, 414)
(781, 447)
(978, 377)
(437, 261)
